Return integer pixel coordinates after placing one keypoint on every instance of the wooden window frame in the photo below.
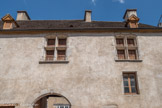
(129, 83)
(126, 47)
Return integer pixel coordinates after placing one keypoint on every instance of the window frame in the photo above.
(129, 83)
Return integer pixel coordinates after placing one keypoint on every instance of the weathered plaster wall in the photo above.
(92, 78)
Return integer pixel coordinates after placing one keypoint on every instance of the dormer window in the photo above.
(9, 22)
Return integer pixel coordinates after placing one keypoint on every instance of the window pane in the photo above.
(132, 54)
(133, 89)
(125, 83)
(121, 54)
(51, 42)
(130, 42)
(120, 42)
(132, 79)
(62, 42)
(126, 89)
(125, 77)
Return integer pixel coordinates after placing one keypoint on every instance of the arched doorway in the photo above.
(52, 101)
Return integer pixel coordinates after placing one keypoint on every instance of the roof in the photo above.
(69, 24)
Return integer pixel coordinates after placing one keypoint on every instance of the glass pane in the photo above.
(132, 77)
(126, 89)
(125, 77)
(61, 106)
(133, 83)
(125, 83)
(133, 89)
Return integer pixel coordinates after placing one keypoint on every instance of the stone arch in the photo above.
(33, 99)
(50, 94)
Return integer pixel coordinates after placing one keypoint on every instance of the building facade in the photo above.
(80, 63)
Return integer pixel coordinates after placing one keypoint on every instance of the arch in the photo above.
(38, 100)
(49, 94)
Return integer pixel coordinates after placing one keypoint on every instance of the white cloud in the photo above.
(94, 2)
(121, 1)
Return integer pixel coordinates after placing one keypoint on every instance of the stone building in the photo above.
(80, 63)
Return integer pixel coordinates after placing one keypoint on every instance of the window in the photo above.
(61, 106)
(62, 42)
(56, 49)
(126, 48)
(61, 55)
(130, 83)
(51, 42)
(7, 25)
(49, 54)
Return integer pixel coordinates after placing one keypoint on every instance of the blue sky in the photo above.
(149, 11)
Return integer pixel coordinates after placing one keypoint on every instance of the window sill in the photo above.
(131, 94)
(128, 60)
(54, 62)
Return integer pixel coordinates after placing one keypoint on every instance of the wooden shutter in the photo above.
(61, 55)
(7, 25)
(130, 42)
(121, 54)
(120, 42)
(51, 42)
(62, 42)
(132, 54)
(49, 54)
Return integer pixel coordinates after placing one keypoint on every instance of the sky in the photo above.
(149, 11)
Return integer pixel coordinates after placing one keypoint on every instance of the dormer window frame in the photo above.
(8, 19)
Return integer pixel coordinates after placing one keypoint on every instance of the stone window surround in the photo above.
(55, 48)
(125, 36)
